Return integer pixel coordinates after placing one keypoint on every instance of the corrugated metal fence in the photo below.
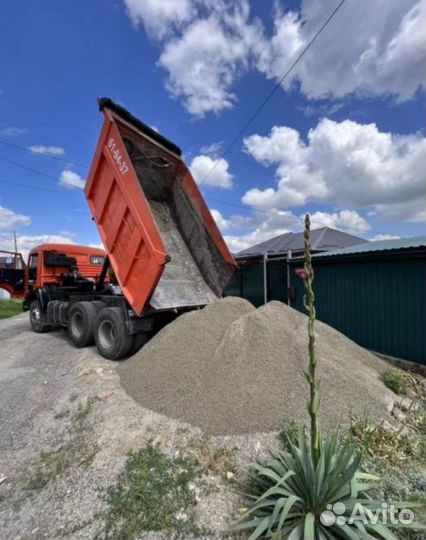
(378, 303)
(248, 282)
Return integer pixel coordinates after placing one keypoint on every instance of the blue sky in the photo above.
(343, 138)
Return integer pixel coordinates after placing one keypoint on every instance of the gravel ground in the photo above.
(45, 388)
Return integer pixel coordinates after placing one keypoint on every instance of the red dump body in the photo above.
(163, 244)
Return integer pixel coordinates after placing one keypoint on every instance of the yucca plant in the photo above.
(310, 490)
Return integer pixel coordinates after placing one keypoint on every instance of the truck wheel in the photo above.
(98, 305)
(81, 323)
(37, 318)
(111, 338)
(139, 341)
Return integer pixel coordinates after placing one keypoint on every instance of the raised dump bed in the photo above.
(162, 242)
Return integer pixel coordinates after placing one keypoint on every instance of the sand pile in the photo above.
(231, 368)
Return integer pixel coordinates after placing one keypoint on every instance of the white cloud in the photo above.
(343, 163)
(411, 211)
(12, 131)
(221, 222)
(378, 237)
(204, 61)
(27, 242)
(98, 245)
(211, 172)
(261, 226)
(159, 16)
(207, 45)
(375, 55)
(235, 243)
(345, 219)
(71, 180)
(212, 150)
(256, 227)
(47, 150)
(10, 219)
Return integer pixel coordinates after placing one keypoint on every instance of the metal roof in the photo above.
(380, 245)
(322, 239)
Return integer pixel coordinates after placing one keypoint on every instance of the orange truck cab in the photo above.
(49, 265)
(61, 265)
(163, 247)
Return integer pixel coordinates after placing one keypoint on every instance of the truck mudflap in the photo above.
(163, 244)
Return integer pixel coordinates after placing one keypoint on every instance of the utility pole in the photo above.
(15, 242)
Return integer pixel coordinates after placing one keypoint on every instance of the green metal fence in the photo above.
(380, 304)
(248, 282)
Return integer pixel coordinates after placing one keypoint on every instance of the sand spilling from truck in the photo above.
(230, 368)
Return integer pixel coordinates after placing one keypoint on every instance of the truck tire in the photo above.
(81, 323)
(99, 305)
(139, 341)
(112, 340)
(37, 318)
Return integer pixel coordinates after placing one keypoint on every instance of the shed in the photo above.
(373, 293)
(263, 270)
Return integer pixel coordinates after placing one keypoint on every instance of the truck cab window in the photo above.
(97, 259)
(32, 268)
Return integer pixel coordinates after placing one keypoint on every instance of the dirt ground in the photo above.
(64, 409)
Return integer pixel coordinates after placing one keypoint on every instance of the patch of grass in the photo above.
(10, 308)
(214, 459)
(396, 381)
(398, 457)
(387, 447)
(77, 452)
(49, 466)
(154, 493)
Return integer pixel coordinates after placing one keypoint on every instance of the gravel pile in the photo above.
(231, 369)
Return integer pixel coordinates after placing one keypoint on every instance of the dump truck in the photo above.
(164, 252)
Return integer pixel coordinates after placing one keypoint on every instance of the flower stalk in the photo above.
(309, 301)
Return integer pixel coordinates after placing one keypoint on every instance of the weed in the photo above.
(154, 493)
(214, 459)
(386, 446)
(83, 411)
(291, 431)
(396, 381)
(77, 452)
(49, 467)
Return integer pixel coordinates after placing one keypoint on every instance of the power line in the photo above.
(69, 192)
(50, 176)
(31, 169)
(33, 186)
(35, 153)
(277, 86)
